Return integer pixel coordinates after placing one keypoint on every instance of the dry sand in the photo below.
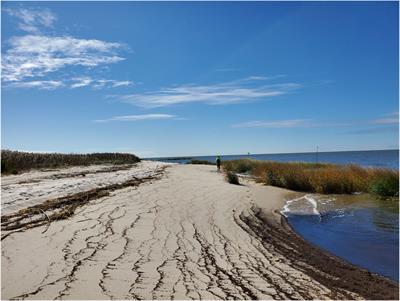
(188, 235)
(35, 187)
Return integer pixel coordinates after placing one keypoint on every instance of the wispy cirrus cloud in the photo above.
(79, 82)
(308, 123)
(28, 59)
(374, 130)
(388, 119)
(39, 84)
(289, 123)
(138, 118)
(101, 83)
(32, 20)
(73, 83)
(36, 56)
(237, 91)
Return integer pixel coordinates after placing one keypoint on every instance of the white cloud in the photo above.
(307, 123)
(79, 82)
(39, 84)
(290, 123)
(124, 83)
(73, 83)
(101, 83)
(392, 118)
(242, 90)
(138, 117)
(33, 56)
(31, 20)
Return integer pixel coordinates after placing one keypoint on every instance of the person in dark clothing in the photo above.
(218, 161)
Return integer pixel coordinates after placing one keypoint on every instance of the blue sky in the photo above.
(199, 78)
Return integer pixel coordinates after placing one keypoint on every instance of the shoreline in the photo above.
(187, 234)
(333, 271)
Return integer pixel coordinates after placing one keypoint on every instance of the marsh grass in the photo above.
(13, 162)
(201, 162)
(319, 178)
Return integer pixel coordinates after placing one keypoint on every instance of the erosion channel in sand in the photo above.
(172, 232)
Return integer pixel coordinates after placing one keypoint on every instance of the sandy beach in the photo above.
(163, 231)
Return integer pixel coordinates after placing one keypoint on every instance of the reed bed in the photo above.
(14, 161)
(319, 178)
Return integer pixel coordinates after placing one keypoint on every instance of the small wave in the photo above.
(285, 210)
(321, 207)
(295, 206)
(313, 202)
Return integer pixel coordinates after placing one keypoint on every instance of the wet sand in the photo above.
(185, 234)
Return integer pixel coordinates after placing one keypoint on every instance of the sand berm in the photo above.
(182, 233)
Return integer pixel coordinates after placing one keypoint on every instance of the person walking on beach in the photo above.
(218, 161)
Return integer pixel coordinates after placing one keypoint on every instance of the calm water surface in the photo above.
(360, 229)
(380, 158)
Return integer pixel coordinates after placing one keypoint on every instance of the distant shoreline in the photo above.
(258, 154)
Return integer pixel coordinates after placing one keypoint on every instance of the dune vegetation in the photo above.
(319, 177)
(13, 162)
(201, 162)
(232, 178)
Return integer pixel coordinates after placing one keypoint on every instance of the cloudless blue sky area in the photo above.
(203, 78)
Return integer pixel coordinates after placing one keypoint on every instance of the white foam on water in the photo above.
(286, 208)
(304, 205)
(314, 204)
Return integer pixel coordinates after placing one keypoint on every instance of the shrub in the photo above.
(232, 178)
(385, 185)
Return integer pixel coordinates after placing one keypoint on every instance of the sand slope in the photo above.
(28, 189)
(180, 237)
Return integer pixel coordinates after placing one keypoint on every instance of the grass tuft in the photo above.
(232, 178)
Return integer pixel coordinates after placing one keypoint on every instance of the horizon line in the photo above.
(284, 153)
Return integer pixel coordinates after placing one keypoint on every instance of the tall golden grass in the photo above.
(319, 178)
(15, 161)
